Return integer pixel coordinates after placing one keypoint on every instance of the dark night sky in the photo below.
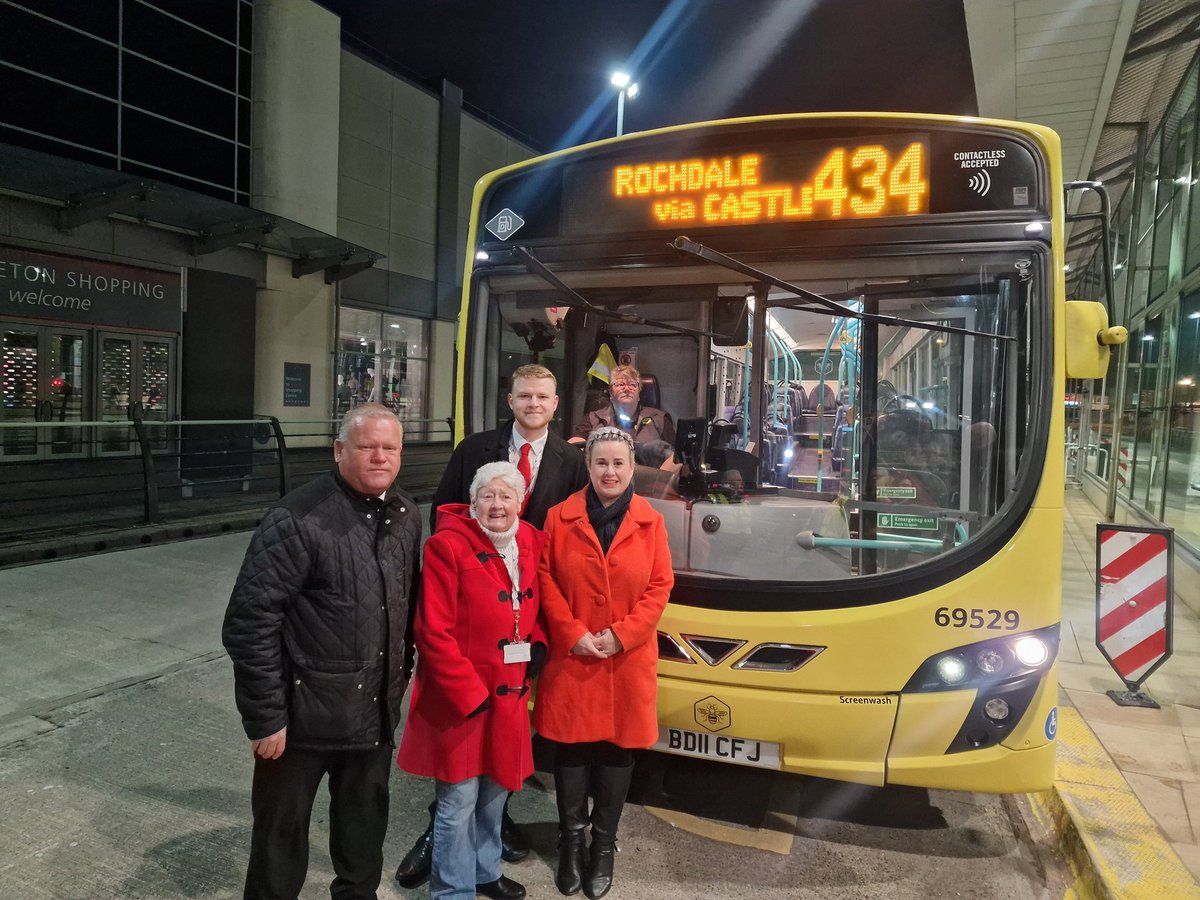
(542, 66)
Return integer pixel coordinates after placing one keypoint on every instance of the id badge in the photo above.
(516, 653)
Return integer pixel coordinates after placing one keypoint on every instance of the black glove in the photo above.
(537, 660)
(487, 701)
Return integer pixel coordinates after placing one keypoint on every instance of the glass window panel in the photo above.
(243, 175)
(116, 391)
(58, 111)
(1148, 177)
(57, 148)
(101, 19)
(945, 446)
(244, 69)
(357, 348)
(1146, 407)
(66, 371)
(1164, 195)
(19, 389)
(46, 47)
(246, 26)
(404, 369)
(163, 91)
(176, 43)
(155, 380)
(217, 16)
(155, 387)
(177, 149)
(384, 359)
(1159, 413)
(1182, 507)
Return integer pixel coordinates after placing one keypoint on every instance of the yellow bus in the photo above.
(856, 323)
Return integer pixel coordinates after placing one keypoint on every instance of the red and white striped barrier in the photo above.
(1123, 467)
(1134, 591)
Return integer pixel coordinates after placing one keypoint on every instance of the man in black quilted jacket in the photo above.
(319, 630)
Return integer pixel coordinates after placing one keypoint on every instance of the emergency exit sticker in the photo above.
(895, 492)
(918, 523)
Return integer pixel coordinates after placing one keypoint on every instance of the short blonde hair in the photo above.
(633, 374)
(532, 370)
(608, 433)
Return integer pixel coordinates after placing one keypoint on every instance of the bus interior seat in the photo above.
(722, 434)
(649, 393)
(723, 460)
(820, 402)
(903, 435)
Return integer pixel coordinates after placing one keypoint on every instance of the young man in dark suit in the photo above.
(553, 470)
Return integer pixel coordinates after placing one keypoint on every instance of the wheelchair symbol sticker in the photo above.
(1052, 724)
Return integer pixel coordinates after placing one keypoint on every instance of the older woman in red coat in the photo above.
(605, 578)
(477, 633)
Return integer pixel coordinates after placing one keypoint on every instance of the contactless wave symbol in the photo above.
(980, 182)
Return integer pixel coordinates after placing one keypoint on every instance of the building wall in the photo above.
(392, 158)
(341, 145)
(484, 149)
(294, 153)
(387, 176)
(294, 324)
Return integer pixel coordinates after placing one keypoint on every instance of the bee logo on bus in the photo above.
(713, 714)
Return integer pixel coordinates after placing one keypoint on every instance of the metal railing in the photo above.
(74, 477)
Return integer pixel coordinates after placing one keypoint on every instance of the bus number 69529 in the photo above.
(990, 619)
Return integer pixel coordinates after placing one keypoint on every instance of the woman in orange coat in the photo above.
(605, 578)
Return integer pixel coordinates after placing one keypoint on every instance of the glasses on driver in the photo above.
(624, 384)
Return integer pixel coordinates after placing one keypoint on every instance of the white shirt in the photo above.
(535, 455)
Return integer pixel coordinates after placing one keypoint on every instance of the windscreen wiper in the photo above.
(575, 300)
(823, 304)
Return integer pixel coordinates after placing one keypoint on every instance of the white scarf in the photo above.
(506, 545)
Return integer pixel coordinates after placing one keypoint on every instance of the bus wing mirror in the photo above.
(1089, 338)
(730, 321)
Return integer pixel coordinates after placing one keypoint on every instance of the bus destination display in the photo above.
(771, 183)
(730, 178)
(751, 188)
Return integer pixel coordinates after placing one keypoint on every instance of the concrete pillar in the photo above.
(297, 73)
(449, 152)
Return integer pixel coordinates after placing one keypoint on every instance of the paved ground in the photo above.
(124, 773)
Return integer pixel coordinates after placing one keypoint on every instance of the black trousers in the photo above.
(282, 800)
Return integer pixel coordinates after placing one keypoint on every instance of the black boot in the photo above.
(571, 791)
(610, 784)
(513, 846)
(414, 868)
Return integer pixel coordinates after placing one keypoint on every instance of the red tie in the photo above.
(526, 472)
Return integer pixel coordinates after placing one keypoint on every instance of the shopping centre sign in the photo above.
(65, 289)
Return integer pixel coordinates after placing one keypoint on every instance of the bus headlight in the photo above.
(1005, 674)
(996, 709)
(951, 669)
(998, 660)
(1031, 651)
(990, 661)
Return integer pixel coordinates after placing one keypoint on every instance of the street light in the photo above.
(628, 88)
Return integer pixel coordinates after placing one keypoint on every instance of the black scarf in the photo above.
(607, 519)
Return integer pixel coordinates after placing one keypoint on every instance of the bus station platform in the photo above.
(1126, 802)
(123, 772)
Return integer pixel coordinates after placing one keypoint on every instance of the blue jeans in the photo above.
(466, 837)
